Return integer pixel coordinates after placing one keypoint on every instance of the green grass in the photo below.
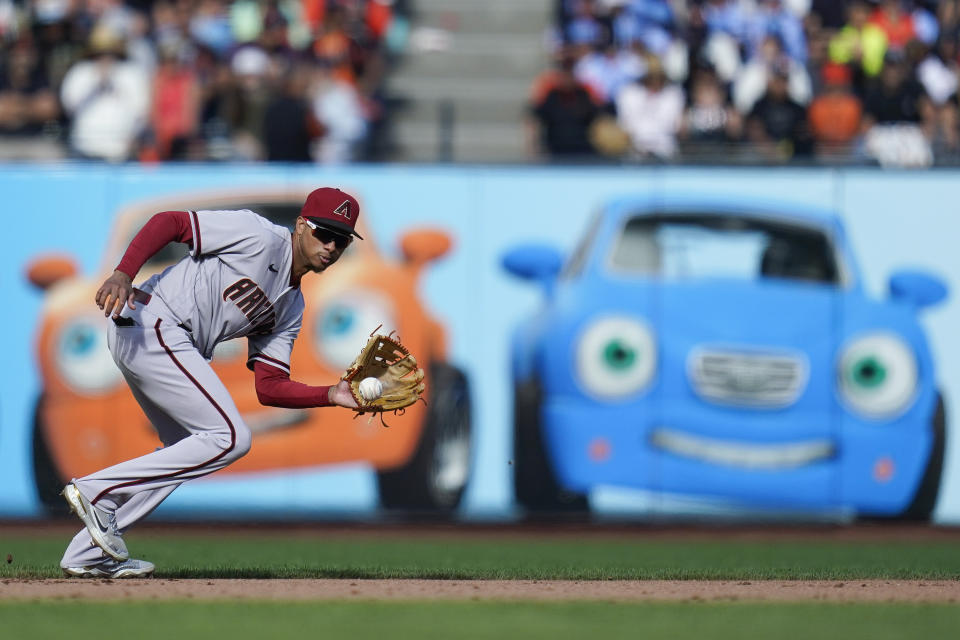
(337, 556)
(466, 620)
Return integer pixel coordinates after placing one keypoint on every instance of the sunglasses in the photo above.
(326, 236)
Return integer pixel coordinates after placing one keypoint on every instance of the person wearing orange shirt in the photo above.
(835, 114)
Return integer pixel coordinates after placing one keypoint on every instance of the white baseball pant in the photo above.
(194, 415)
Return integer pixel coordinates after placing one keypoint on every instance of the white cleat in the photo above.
(101, 524)
(110, 568)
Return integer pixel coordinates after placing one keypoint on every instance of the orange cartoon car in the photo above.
(86, 418)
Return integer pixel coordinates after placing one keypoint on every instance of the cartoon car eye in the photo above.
(616, 357)
(342, 328)
(878, 375)
(82, 356)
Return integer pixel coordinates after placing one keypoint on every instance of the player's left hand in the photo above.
(114, 292)
(341, 395)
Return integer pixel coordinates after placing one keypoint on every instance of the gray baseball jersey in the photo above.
(234, 283)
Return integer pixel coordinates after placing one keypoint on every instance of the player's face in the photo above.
(320, 247)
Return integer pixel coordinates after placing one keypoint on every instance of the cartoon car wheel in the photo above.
(534, 481)
(46, 479)
(925, 499)
(435, 477)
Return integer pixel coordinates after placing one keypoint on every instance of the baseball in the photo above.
(370, 389)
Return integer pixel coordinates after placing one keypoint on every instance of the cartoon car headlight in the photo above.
(616, 357)
(877, 375)
(82, 357)
(346, 323)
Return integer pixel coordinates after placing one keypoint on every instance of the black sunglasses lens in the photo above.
(325, 236)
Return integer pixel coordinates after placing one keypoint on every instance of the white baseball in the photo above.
(370, 389)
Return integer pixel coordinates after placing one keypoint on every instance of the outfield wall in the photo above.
(893, 220)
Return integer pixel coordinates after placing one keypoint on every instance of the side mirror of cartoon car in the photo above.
(540, 263)
(917, 288)
(45, 271)
(424, 245)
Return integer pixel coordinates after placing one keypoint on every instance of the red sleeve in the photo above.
(160, 230)
(276, 389)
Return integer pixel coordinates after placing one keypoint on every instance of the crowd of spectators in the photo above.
(849, 81)
(197, 80)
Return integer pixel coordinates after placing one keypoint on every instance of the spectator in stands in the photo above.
(925, 21)
(895, 22)
(818, 45)
(583, 27)
(209, 26)
(899, 118)
(727, 16)
(28, 106)
(255, 79)
(338, 107)
(8, 21)
(753, 79)
(107, 100)
(650, 112)
(777, 124)
(175, 109)
(333, 45)
(860, 43)
(939, 73)
(710, 118)
(645, 22)
(772, 18)
(61, 40)
(607, 68)
(899, 97)
(561, 110)
(948, 17)
(290, 126)
(832, 14)
(218, 103)
(835, 114)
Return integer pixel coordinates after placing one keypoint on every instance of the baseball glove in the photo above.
(392, 364)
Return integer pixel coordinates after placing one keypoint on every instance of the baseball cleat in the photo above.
(101, 524)
(110, 568)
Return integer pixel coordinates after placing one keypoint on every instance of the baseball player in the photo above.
(240, 279)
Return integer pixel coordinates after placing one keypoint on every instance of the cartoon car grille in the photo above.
(750, 379)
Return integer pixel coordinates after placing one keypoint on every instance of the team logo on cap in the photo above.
(343, 209)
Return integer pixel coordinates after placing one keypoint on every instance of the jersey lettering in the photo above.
(265, 324)
(253, 303)
(239, 288)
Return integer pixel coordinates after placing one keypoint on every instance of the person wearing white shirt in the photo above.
(650, 112)
(107, 99)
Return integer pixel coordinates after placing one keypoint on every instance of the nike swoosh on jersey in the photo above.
(273, 268)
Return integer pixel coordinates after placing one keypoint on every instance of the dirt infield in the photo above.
(927, 591)
(512, 590)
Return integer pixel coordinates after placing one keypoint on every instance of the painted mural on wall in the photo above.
(723, 347)
(799, 358)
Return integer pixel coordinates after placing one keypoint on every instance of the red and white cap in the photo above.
(332, 209)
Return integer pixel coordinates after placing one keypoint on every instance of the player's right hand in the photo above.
(114, 291)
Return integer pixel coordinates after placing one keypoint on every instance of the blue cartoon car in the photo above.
(715, 348)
